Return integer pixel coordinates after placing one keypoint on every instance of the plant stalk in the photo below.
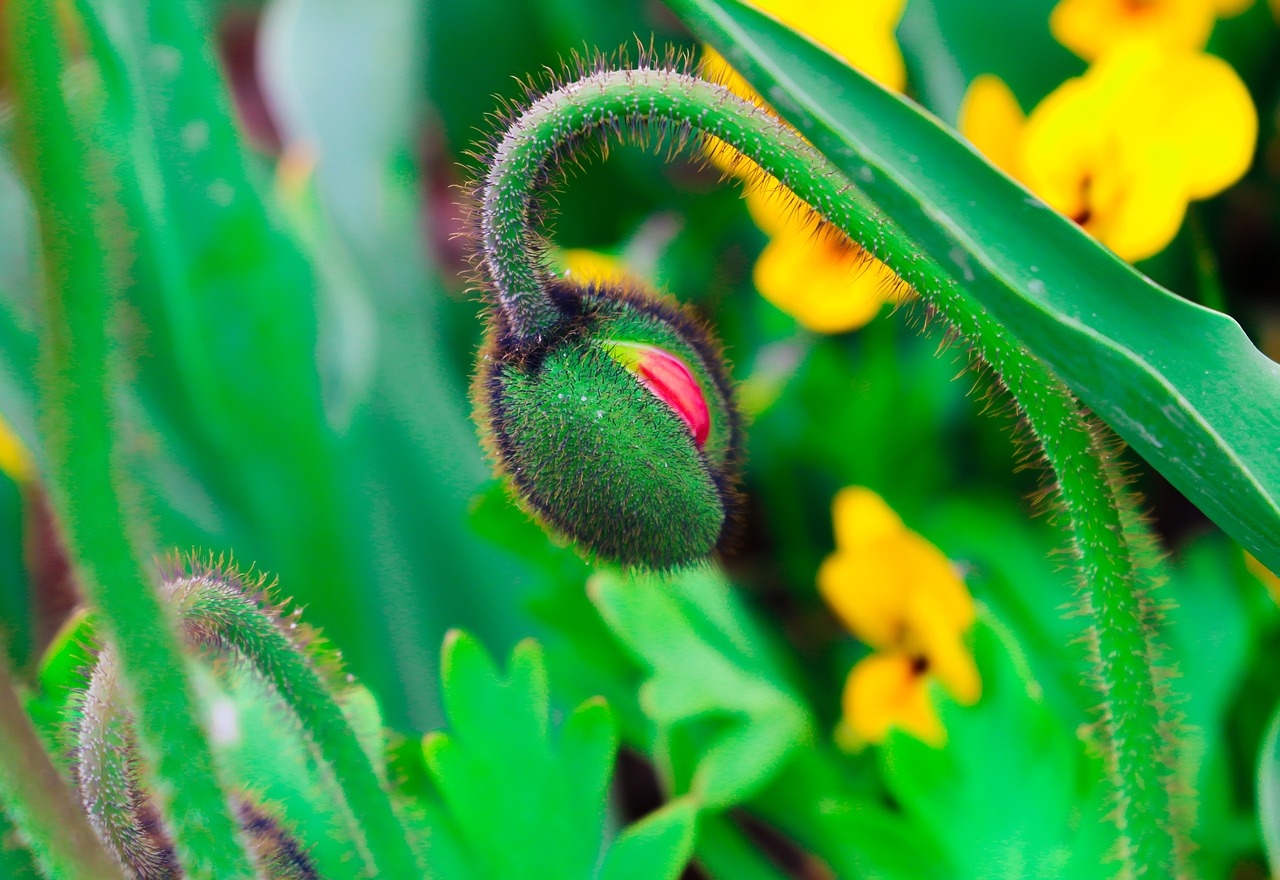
(656, 104)
(82, 442)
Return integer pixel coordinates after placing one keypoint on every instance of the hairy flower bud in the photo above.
(619, 430)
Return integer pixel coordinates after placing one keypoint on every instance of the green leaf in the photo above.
(18, 287)
(1182, 384)
(16, 862)
(655, 848)
(713, 694)
(949, 791)
(63, 672)
(817, 802)
(725, 853)
(521, 802)
(1215, 637)
(1269, 792)
(15, 586)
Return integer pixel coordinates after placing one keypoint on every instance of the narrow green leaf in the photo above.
(83, 446)
(1182, 384)
(230, 301)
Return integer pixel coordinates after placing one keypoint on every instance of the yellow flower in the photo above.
(14, 460)
(899, 594)
(862, 36)
(1091, 27)
(811, 271)
(886, 691)
(1123, 149)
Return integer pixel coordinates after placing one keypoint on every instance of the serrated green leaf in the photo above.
(710, 686)
(1182, 384)
(949, 791)
(521, 803)
(655, 848)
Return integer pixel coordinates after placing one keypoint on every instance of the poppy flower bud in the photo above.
(618, 430)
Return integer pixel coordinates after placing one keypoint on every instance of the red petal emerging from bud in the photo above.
(670, 381)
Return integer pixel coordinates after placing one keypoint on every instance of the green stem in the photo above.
(221, 614)
(1208, 278)
(639, 104)
(217, 613)
(83, 453)
(41, 805)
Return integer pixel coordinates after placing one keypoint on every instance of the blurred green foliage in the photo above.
(295, 344)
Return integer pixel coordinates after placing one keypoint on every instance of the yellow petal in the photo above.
(14, 459)
(1198, 105)
(934, 582)
(885, 691)
(937, 635)
(1065, 145)
(890, 586)
(862, 37)
(1091, 27)
(821, 280)
(1138, 213)
(993, 122)
(861, 517)
(1231, 8)
(866, 593)
(775, 210)
(1123, 149)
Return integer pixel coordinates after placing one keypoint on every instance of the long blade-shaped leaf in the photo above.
(1181, 383)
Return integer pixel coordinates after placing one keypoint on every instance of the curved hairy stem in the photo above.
(223, 616)
(82, 449)
(40, 803)
(642, 103)
(217, 613)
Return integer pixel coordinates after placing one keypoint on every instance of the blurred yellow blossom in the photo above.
(14, 460)
(899, 594)
(811, 271)
(1123, 149)
(861, 35)
(587, 265)
(1091, 27)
